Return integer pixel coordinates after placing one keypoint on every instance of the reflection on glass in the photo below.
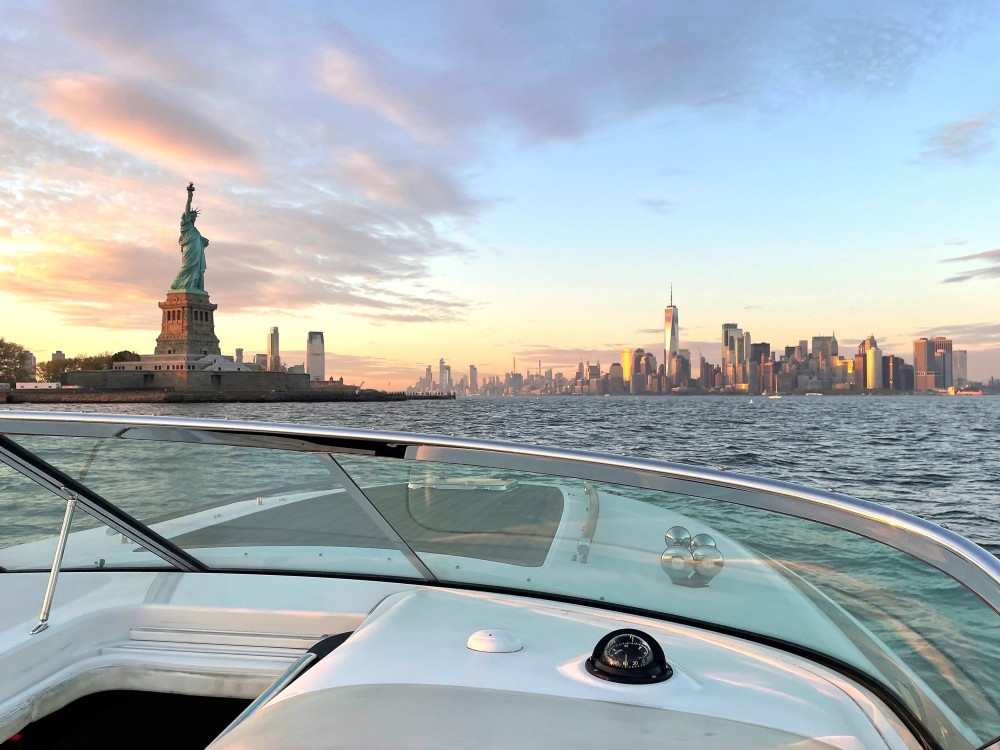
(232, 507)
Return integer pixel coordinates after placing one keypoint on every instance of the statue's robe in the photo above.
(191, 277)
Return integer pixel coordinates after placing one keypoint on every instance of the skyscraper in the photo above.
(444, 376)
(960, 367)
(923, 364)
(730, 332)
(873, 368)
(626, 360)
(671, 344)
(316, 357)
(473, 379)
(29, 364)
(943, 362)
(273, 352)
(932, 362)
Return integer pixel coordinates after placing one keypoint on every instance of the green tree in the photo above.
(53, 370)
(50, 372)
(11, 362)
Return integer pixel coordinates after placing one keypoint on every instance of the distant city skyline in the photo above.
(434, 179)
(746, 366)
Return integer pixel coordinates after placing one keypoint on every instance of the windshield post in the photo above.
(50, 589)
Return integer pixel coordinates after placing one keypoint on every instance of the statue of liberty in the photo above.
(191, 277)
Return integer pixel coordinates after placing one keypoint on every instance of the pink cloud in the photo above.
(146, 124)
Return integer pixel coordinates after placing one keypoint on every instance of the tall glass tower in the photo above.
(671, 345)
(316, 357)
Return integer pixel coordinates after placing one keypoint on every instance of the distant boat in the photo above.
(751, 401)
(774, 396)
(814, 394)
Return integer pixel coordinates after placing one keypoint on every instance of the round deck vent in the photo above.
(494, 642)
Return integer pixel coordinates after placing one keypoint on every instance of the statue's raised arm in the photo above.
(191, 278)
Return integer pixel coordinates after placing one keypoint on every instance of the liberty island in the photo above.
(187, 363)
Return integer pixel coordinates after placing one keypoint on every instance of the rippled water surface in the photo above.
(938, 458)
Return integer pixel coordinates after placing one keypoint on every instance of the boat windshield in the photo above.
(696, 551)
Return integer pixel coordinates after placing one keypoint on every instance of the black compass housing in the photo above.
(629, 656)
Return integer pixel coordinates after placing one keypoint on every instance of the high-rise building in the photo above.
(923, 365)
(943, 362)
(868, 344)
(626, 362)
(57, 355)
(473, 379)
(671, 343)
(730, 333)
(637, 381)
(239, 356)
(260, 361)
(960, 367)
(893, 377)
(760, 352)
(29, 364)
(316, 356)
(273, 351)
(823, 348)
(444, 376)
(873, 369)
(933, 361)
(860, 374)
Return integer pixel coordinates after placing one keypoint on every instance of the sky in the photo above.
(487, 180)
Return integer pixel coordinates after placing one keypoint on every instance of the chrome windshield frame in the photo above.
(966, 562)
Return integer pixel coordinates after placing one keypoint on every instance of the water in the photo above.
(938, 458)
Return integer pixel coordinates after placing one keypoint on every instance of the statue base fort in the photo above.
(187, 358)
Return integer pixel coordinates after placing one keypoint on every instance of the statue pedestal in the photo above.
(187, 329)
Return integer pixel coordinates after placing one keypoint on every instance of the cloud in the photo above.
(964, 140)
(986, 272)
(658, 205)
(489, 65)
(969, 335)
(406, 184)
(143, 122)
(349, 78)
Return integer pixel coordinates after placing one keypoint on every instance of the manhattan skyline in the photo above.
(413, 186)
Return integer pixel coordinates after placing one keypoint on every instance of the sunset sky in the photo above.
(479, 181)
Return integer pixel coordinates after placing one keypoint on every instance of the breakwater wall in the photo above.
(180, 397)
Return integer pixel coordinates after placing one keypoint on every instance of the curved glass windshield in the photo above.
(912, 628)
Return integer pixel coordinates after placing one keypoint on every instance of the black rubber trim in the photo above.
(93, 498)
(329, 644)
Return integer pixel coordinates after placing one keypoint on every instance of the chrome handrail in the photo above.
(941, 548)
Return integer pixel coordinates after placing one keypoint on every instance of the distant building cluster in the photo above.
(745, 367)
